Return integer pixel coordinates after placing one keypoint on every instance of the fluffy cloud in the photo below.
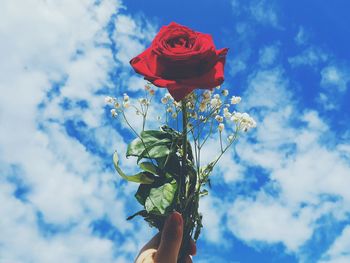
(54, 154)
(306, 178)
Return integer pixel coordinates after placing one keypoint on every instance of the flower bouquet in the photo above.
(172, 177)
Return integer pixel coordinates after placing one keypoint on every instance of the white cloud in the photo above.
(268, 55)
(335, 77)
(268, 221)
(64, 44)
(264, 12)
(339, 252)
(307, 179)
(301, 37)
(309, 57)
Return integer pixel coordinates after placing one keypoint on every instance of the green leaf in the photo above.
(149, 167)
(142, 193)
(161, 198)
(143, 177)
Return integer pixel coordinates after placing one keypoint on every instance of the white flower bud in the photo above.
(125, 97)
(221, 127)
(164, 100)
(227, 114)
(169, 109)
(219, 118)
(235, 100)
(117, 105)
(109, 99)
(224, 92)
(174, 115)
(114, 113)
(126, 104)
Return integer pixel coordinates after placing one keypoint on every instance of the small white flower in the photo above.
(169, 109)
(224, 92)
(236, 116)
(189, 125)
(174, 115)
(214, 102)
(114, 113)
(126, 104)
(230, 138)
(194, 115)
(125, 97)
(143, 101)
(218, 87)
(207, 94)
(221, 127)
(164, 100)
(235, 100)
(217, 96)
(168, 96)
(219, 118)
(117, 105)
(202, 107)
(227, 114)
(109, 99)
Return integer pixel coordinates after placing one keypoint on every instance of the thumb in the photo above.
(170, 242)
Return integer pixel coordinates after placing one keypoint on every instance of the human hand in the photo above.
(164, 247)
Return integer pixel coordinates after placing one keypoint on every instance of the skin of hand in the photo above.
(164, 247)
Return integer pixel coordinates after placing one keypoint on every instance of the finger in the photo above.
(188, 259)
(153, 243)
(171, 239)
(193, 248)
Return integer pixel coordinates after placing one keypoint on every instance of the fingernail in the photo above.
(175, 219)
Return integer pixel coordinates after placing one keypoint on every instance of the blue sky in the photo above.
(281, 195)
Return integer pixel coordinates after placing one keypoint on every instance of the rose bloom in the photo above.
(181, 60)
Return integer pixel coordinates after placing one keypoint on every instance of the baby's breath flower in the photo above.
(236, 116)
(143, 101)
(213, 102)
(174, 115)
(218, 87)
(164, 100)
(202, 106)
(151, 92)
(109, 99)
(224, 92)
(207, 94)
(227, 114)
(126, 104)
(235, 100)
(230, 138)
(219, 118)
(221, 127)
(114, 113)
(194, 115)
(189, 125)
(168, 96)
(169, 109)
(125, 97)
(217, 96)
(177, 104)
(117, 105)
(244, 121)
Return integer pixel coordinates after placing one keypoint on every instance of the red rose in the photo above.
(181, 60)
